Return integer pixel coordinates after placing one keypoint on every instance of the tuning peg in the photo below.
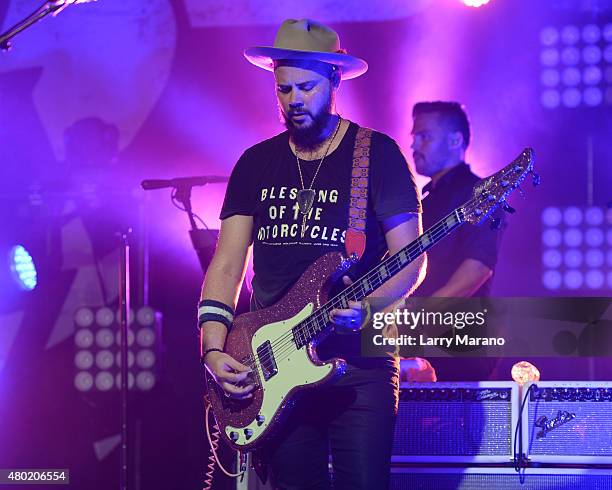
(535, 178)
(495, 224)
(509, 209)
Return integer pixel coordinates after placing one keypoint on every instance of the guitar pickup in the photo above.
(266, 360)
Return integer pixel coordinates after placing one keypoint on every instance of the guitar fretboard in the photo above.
(308, 329)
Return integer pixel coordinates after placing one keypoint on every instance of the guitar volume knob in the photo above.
(248, 433)
(234, 436)
(260, 419)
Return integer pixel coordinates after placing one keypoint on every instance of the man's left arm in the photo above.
(405, 229)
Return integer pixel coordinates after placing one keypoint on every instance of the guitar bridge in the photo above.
(266, 360)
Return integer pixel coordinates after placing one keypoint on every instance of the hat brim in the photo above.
(264, 57)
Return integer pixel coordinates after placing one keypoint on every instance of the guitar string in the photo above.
(284, 344)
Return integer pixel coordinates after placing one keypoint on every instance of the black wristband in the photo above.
(212, 349)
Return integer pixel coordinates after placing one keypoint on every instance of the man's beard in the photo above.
(309, 138)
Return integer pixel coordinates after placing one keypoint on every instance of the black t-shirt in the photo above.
(265, 182)
(481, 243)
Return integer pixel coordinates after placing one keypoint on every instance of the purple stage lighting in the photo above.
(576, 248)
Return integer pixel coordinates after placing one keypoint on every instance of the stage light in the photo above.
(549, 57)
(551, 216)
(83, 381)
(572, 216)
(573, 279)
(99, 351)
(572, 258)
(84, 338)
(570, 34)
(22, 267)
(104, 317)
(104, 381)
(552, 258)
(145, 380)
(572, 237)
(591, 55)
(549, 36)
(145, 337)
(578, 53)
(592, 96)
(594, 216)
(610, 279)
(594, 258)
(523, 372)
(551, 237)
(550, 99)
(550, 78)
(592, 75)
(104, 338)
(582, 257)
(104, 359)
(84, 317)
(591, 33)
(594, 279)
(83, 359)
(594, 237)
(552, 279)
(607, 32)
(145, 359)
(571, 76)
(145, 316)
(571, 98)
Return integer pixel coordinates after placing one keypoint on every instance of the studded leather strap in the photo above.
(355, 239)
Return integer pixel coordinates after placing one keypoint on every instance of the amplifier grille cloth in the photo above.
(589, 434)
(453, 428)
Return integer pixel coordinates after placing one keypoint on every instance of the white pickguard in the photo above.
(294, 369)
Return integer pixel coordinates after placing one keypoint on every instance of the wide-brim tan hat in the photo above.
(307, 39)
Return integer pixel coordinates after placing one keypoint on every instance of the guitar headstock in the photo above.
(493, 191)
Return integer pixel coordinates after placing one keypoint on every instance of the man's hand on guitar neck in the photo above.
(230, 375)
(348, 319)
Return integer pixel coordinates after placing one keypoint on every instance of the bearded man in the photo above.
(294, 198)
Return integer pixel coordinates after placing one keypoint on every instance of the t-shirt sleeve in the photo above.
(392, 184)
(239, 197)
(483, 243)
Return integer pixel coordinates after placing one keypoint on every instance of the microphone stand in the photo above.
(203, 241)
(49, 7)
(124, 318)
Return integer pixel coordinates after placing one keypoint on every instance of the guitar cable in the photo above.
(213, 458)
(519, 457)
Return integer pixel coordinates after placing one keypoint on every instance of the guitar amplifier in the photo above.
(456, 422)
(569, 422)
(500, 479)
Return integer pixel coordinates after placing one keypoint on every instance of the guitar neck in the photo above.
(388, 268)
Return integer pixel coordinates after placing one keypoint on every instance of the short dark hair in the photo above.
(453, 113)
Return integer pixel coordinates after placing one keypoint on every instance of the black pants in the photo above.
(352, 420)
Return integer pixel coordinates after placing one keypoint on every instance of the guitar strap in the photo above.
(355, 239)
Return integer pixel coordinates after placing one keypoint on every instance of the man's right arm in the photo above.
(222, 283)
